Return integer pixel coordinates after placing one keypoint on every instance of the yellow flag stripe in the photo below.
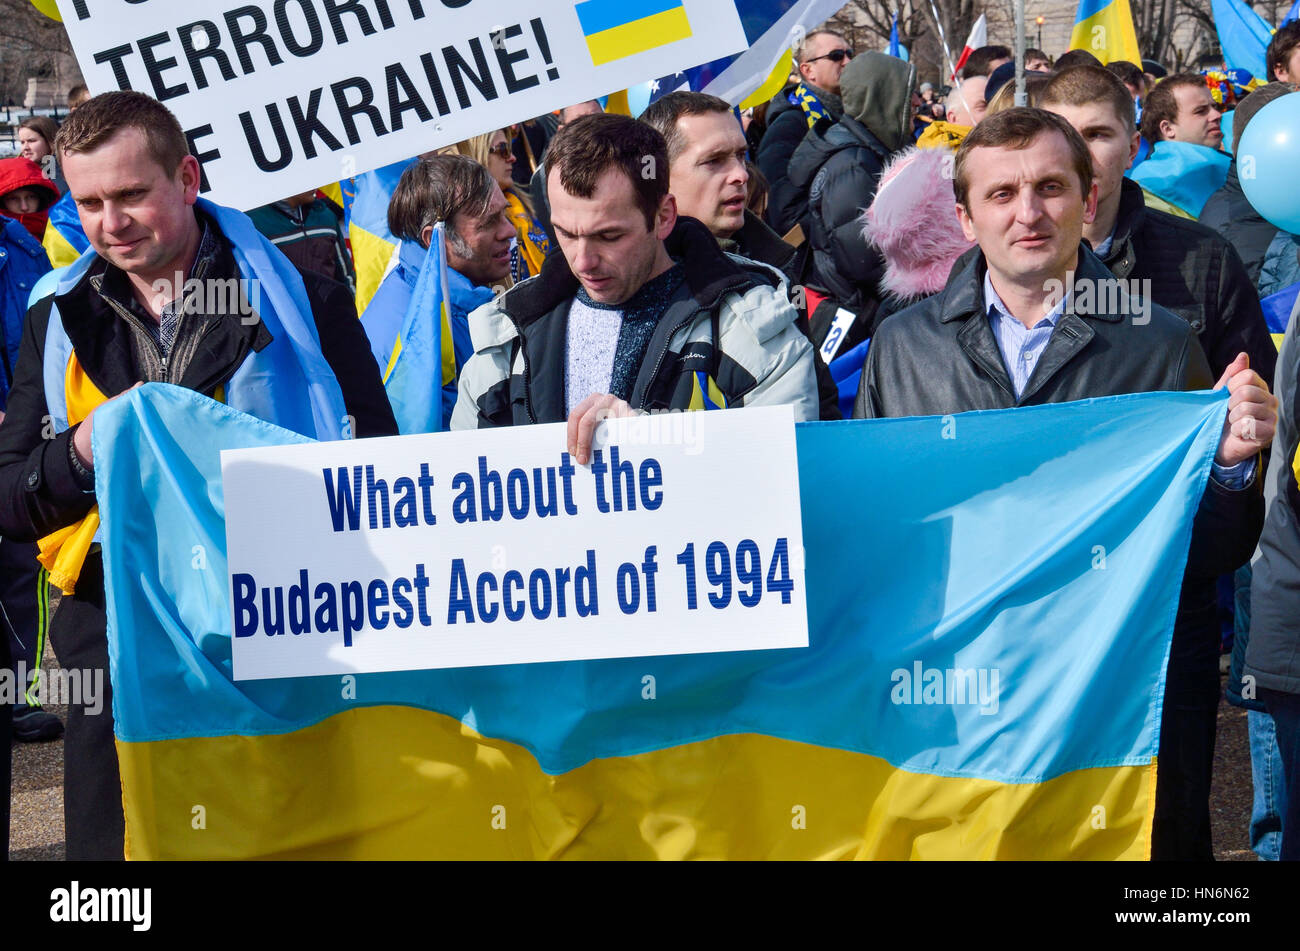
(772, 85)
(394, 782)
(648, 33)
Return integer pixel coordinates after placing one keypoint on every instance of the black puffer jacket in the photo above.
(1196, 274)
(1230, 214)
(838, 166)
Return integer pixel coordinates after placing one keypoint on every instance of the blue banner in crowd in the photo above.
(1009, 542)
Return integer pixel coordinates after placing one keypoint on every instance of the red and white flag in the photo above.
(979, 36)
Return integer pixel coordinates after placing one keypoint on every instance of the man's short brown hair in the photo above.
(1286, 39)
(101, 117)
(980, 61)
(583, 150)
(1016, 129)
(436, 189)
(1072, 58)
(664, 114)
(1162, 103)
(1083, 85)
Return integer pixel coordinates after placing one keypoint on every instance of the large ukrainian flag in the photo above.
(1105, 29)
(991, 600)
(617, 29)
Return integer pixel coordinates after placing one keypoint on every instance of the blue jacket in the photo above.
(387, 309)
(22, 262)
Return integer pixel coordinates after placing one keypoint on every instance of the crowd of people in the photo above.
(914, 231)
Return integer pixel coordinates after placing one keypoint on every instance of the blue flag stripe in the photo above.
(597, 16)
(980, 554)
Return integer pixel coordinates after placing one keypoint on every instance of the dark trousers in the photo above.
(24, 601)
(6, 737)
(1285, 709)
(92, 789)
(1185, 760)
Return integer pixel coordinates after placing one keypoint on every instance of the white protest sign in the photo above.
(469, 549)
(282, 96)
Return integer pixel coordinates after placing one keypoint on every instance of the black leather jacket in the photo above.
(940, 356)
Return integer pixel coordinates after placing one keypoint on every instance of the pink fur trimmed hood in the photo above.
(913, 223)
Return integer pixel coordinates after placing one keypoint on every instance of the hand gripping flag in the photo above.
(1105, 29)
(423, 354)
(990, 618)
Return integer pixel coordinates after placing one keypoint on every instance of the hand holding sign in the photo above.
(584, 419)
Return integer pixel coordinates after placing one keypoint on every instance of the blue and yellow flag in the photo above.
(64, 239)
(424, 357)
(617, 29)
(373, 245)
(1105, 29)
(989, 625)
(756, 74)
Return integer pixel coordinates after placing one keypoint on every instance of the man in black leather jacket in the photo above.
(1001, 336)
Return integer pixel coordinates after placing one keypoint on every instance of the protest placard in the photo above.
(682, 536)
(281, 96)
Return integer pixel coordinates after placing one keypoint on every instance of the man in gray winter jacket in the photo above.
(641, 311)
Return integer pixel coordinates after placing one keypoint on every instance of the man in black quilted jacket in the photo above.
(1192, 270)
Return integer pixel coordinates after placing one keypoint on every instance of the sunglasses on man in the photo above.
(835, 56)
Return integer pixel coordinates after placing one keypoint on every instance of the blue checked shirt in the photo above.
(1021, 347)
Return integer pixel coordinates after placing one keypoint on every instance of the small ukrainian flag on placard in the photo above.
(616, 29)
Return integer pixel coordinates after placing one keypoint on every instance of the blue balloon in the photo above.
(1267, 157)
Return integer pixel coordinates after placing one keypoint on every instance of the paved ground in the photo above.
(36, 831)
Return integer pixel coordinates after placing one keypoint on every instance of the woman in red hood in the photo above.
(26, 194)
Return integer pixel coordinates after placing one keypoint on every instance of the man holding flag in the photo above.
(151, 302)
